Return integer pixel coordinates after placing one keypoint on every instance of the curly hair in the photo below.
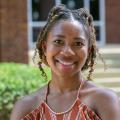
(58, 13)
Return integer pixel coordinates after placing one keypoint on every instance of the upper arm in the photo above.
(108, 105)
(21, 108)
(24, 106)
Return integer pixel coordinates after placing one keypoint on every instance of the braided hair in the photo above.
(58, 13)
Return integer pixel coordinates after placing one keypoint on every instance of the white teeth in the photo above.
(66, 63)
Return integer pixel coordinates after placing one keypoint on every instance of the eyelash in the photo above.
(58, 42)
(61, 42)
(78, 44)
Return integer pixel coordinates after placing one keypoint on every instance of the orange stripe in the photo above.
(31, 116)
(47, 113)
(59, 117)
(74, 111)
(37, 117)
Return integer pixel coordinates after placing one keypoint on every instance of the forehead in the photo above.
(68, 27)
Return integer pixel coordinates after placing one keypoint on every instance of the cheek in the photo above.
(51, 52)
(84, 57)
(83, 53)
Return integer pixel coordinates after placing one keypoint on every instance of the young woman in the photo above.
(67, 44)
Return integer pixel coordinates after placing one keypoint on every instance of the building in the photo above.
(21, 21)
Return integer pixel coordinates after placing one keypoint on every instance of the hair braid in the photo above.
(84, 16)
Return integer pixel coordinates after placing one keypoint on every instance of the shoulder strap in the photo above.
(47, 92)
(81, 85)
(78, 94)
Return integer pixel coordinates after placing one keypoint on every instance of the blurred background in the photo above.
(20, 24)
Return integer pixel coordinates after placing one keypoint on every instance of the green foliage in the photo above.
(17, 80)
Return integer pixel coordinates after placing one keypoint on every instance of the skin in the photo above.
(66, 50)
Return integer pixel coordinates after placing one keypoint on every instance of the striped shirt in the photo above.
(78, 111)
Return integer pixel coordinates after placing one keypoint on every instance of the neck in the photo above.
(65, 84)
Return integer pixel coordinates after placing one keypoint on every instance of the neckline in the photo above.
(71, 106)
(63, 112)
(78, 93)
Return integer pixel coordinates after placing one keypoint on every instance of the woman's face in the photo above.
(66, 48)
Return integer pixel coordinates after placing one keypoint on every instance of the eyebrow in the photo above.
(62, 36)
(80, 39)
(76, 38)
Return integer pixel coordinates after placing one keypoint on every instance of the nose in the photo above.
(67, 51)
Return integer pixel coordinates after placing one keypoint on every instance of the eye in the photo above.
(78, 43)
(58, 42)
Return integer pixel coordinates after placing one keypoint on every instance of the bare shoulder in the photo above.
(27, 104)
(106, 102)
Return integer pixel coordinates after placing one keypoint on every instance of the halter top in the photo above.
(78, 111)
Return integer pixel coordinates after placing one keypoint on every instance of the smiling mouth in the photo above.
(65, 63)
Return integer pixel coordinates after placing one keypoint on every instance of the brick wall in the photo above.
(113, 21)
(13, 31)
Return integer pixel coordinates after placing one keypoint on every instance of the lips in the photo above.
(66, 63)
